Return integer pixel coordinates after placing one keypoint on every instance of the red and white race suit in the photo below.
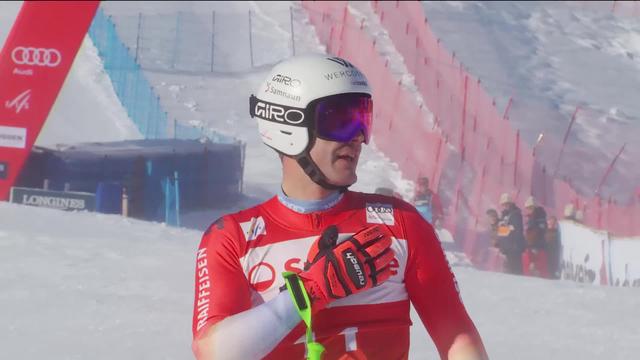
(242, 256)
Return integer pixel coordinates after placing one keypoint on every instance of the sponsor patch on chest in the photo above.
(378, 213)
(254, 228)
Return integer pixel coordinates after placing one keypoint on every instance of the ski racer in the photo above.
(319, 271)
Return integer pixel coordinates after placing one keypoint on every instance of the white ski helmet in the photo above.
(311, 96)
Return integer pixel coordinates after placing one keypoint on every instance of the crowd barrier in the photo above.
(200, 42)
(399, 117)
(585, 254)
(402, 128)
(462, 153)
(496, 156)
(134, 90)
(597, 257)
(624, 268)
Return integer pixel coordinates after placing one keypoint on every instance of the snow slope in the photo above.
(114, 288)
(551, 57)
(84, 285)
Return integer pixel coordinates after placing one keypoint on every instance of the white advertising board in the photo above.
(585, 254)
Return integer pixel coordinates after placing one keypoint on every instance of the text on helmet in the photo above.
(286, 80)
(278, 113)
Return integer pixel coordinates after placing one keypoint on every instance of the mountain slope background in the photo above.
(85, 285)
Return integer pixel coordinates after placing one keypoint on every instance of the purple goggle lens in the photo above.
(341, 117)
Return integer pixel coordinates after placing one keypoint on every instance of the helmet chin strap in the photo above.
(315, 174)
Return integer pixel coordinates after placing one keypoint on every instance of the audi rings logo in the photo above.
(36, 56)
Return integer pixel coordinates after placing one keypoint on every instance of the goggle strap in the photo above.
(313, 171)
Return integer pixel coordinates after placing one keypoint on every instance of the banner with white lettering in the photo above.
(585, 253)
(625, 262)
(34, 63)
(61, 200)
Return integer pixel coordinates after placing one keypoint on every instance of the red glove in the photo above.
(355, 265)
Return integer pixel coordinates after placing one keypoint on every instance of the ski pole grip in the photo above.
(302, 303)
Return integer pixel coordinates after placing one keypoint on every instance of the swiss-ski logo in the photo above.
(21, 102)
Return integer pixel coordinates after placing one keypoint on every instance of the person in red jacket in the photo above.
(318, 270)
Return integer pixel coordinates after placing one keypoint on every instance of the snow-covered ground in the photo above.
(551, 57)
(93, 286)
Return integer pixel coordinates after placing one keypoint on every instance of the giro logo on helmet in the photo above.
(278, 113)
(286, 80)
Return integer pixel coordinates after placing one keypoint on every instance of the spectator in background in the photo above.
(534, 258)
(485, 251)
(570, 212)
(427, 202)
(510, 235)
(493, 220)
(579, 218)
(536, 223)
(553, 247)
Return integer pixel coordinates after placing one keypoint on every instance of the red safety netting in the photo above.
(467, 115)
(398, 116)
(472, 154)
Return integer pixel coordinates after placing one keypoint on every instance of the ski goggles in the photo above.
(338, 117)
(342, 117)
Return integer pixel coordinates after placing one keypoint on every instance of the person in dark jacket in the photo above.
(553, 247)
(510, 235)
(534, 258)
(536, 223)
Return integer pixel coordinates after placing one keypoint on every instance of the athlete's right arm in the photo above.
(225, 326)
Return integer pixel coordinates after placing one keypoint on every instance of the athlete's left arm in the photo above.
(434, 293)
